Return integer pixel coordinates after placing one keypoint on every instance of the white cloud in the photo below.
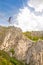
(28, 21)
(37, 4)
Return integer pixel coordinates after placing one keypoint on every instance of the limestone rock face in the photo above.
(23, 48)
(35, 54)
(11, 38)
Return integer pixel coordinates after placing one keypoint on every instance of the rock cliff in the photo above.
(13, 41)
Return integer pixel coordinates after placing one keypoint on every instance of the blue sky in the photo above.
(26, 14)
(10, 7)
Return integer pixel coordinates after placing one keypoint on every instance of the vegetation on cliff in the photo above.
(35, 35)
(5, 59)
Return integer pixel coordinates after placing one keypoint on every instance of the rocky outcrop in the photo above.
(23, 49)
(35, 54)
(11, 38)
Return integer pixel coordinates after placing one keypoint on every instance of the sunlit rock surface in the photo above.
(24, 49)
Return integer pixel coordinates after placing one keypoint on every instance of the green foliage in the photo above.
(35, 38)
(41, 37)
(5, 59)
(16, 62)
(32, 37)
(4, 55)
(12, 51)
